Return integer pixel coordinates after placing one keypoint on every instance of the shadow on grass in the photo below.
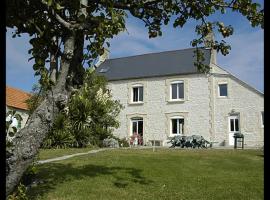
(54, 174)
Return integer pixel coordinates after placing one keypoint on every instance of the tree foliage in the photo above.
(37, 96)
(99, 20)
(11, 130)
(89, 117)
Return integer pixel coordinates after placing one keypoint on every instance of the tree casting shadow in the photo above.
(53, 174)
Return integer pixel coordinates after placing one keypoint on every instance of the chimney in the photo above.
(102, 58)
(210, 37)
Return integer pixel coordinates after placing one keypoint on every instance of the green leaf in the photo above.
(50, 2)
(59, 7)
(18, 117)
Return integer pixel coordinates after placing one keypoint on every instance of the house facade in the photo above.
(164, 95)
(15, 100)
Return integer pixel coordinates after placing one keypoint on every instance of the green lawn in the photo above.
(53, 153)
(164, 174)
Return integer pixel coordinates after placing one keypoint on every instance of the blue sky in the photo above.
(244, 61)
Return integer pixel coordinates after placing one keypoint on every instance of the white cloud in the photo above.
(246, 57)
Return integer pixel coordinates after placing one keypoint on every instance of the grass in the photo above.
(164, 174)
(53, 153)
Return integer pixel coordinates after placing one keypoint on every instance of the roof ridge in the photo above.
(160, 52)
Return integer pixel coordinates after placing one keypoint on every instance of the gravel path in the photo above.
(69, 156)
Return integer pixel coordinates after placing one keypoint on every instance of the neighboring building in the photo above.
(15, 100)
(164, 95)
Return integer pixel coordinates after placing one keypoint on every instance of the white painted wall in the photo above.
(156, 109)
(245, 101)
(205, 113)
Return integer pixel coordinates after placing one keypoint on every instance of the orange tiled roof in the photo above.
(16, 98)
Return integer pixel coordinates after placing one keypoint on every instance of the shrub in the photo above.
(110, 142)
(19, 194)
(60, 135)
(123, 142)
(92, 112)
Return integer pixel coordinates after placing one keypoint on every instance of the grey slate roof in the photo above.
(150, 65)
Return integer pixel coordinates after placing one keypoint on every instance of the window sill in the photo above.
(176, 101)
(173, 135)
(136, 103)
(223, 97)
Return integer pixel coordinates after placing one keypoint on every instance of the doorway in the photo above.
(233, 127)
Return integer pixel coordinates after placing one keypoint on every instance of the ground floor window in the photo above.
(177, 125)
(137, 126)
(137, 131)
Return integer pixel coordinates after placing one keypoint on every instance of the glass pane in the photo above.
(174, 91)
(181, 126)
(140, 93)
(19, 124)
(223, 90)
(134, 127)
(236, 125)
(232, 124)
(140, 127)
(180, 90)
(174, 126)
(135, 94)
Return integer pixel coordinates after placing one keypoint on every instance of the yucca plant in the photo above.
(60, 135)
(92, 112)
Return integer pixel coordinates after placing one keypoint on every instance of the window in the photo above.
(137, 94)
(223, 90)
(137, 126)
(234, 124)
(177, 90)
(177, 126)
(262, 116)
(19, 124)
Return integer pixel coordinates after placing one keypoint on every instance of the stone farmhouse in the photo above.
(164, 95)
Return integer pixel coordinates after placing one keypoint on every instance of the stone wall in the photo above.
(245, 101)
(157, 109)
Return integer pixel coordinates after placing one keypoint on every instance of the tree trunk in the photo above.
(29, 139)
(53, 61)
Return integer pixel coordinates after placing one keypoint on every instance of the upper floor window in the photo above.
(223, 89)
(137, 94)
(177, 90)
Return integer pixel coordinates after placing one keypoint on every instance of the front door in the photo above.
(233, 127)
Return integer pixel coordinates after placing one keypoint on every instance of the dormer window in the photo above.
(177, 90)
(137, 93)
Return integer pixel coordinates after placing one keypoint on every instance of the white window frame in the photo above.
(178, 127)
(137, 121)
(262, 120)
(132, 94)
(177, 99)
(222, 83)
